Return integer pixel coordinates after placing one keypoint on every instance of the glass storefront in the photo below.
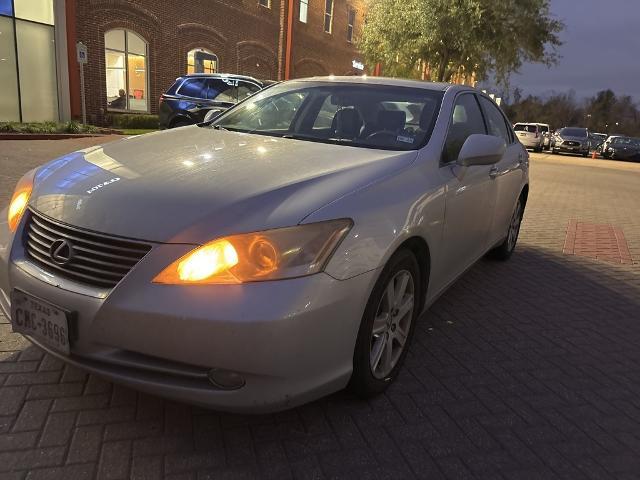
(28, 76)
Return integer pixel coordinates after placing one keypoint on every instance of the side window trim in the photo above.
(455, 101)
(504, 118)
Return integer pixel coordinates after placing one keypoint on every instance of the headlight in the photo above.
(251, 257)
(20, 200)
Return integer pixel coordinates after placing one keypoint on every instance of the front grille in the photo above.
(569, 143)
(97, 259)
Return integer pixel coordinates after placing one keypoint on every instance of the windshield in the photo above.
(573, 132)
(523, 127)
(371, 116)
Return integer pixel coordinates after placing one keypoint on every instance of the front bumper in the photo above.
(291, 341)
(570, 149)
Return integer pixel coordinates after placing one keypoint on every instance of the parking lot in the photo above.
(522, 370)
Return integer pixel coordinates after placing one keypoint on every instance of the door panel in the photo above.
(507, 173)
(508, 181)
(470, 192)
(470, 200)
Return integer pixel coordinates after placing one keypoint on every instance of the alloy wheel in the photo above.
(514, 227)
(392, 324)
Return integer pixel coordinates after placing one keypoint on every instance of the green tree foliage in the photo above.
(479, 36)
(605, 112)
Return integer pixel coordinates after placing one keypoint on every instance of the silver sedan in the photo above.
(277, 254)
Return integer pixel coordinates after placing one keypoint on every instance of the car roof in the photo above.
(219, 75)
(395, 82)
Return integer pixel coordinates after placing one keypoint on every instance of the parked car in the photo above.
(597, 139)
(603, 150)
(191, 96)
(571, 140)
(271, 257)
(545, 129)
(530, 135)
(624, 148)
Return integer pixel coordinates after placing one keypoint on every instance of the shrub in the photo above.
(47, 127)
(127, 120)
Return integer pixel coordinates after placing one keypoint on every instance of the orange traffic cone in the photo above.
(594, 155)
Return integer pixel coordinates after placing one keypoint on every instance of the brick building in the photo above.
(141, 46)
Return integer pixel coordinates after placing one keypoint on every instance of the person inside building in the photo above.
(121, 101)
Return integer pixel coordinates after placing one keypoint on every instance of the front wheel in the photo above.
(387, 325)
(506, 248)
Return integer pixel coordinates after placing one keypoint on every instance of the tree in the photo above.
(453, 36)
(605, 112)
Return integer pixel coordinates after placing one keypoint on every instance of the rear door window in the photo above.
(465, 121)
(223, 90)
(246, 89)
(495, 121)
(194, 87)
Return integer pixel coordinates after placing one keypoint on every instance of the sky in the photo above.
(601, 50)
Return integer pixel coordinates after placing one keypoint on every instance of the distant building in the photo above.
(136, 49)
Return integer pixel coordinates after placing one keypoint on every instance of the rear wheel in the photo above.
(387, 325)
(506, 248)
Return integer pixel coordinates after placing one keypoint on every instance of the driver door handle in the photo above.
(493, 173)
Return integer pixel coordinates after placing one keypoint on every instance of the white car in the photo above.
(282, 253)
(530, 135)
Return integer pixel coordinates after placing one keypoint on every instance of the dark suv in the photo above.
(192, 96)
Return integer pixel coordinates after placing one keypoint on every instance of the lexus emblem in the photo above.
(61, 252)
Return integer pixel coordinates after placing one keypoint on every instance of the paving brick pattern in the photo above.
(597, 241)
(528, 369)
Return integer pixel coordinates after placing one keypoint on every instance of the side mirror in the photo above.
(481, 150)
(212, 115)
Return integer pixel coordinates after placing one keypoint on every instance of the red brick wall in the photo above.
(243, 34)
(316, 52)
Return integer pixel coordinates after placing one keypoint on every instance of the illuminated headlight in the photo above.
(251, 257)
(20, 200)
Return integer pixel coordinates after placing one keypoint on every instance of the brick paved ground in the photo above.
(528, 369)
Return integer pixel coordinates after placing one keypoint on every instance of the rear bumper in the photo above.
(531, 143)
(291, 341)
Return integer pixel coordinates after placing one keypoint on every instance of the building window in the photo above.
(328, 16)
(201, 60)
(28, 73)
(126, 71)
(351, 20)
(265, 3)
(304, 10)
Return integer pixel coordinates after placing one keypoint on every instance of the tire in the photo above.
(504, 251)
(375, 365)
(585, 155)
(554, 151)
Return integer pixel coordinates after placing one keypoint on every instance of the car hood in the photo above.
(192, 184)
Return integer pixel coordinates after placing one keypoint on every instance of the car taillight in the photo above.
(160, 100)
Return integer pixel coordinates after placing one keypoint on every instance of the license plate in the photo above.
(41, 320)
